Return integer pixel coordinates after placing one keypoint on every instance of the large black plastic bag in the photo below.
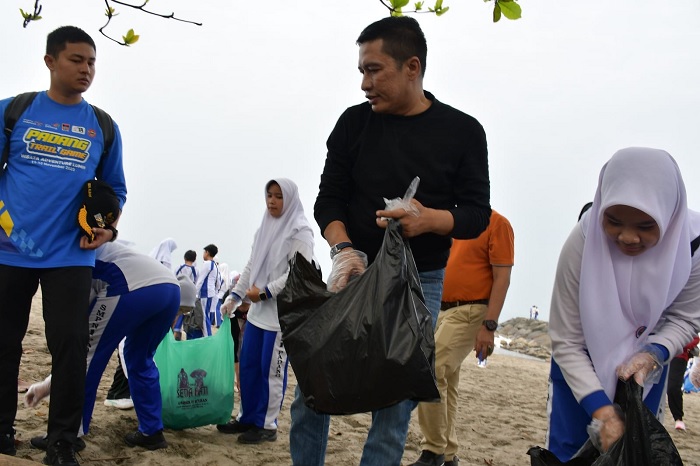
(645, 442)
(366, 347)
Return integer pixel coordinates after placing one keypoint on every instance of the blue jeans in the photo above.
(308, 434)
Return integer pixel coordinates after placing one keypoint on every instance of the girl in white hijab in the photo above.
(626, 297)
(163, 252)
(284, 231)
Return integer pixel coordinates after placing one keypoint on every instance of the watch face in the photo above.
(491, 325)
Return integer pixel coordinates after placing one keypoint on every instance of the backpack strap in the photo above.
(107, 127)
(13, 112)
(694, 245)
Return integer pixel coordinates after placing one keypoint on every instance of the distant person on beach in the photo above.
(625, 297)
(477, 278)
(134, 297)
(676, 373)
(41, 192)
(533, 312)
(375, 151)
(536, 313)
(283, 232)
(208, 286)
(189, 270)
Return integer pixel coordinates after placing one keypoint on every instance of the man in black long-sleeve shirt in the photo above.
(374, 152)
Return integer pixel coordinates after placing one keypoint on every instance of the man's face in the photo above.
(73, 70)
(387, 85)
(206, 256)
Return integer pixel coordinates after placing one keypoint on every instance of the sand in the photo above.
(501, 415)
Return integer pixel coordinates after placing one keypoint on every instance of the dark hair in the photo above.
(190, 256)
(270, 183)
(56, 41)
(211, 249)
(402, 39)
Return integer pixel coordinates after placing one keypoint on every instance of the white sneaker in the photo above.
(481, 363)
(123, 403)
(680, 425)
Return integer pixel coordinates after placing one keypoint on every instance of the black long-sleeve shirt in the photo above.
(372, 156)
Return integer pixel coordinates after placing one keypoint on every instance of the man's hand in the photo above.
(483, 345)
(231, 303)
(102, 236)
(426, 221)
(347, 264)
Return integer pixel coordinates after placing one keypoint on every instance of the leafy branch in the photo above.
(508, 8)
(130, 37)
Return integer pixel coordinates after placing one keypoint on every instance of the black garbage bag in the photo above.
(645, 442)
(366, 347)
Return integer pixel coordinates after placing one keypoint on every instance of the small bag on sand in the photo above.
(196, 379)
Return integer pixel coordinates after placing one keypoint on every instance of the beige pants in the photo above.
(456, 331)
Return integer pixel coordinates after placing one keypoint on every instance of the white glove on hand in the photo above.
(37, 392)
(347, 264)
(645, 366)
(230, 305)
(605, 432)
(695, 373)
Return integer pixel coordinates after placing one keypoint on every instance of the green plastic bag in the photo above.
(196, 379)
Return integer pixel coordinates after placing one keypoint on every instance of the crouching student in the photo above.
(625, 299)
(137, 298)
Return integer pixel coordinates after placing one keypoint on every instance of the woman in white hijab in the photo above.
(625, 300)
(163, 252)
(263, 360)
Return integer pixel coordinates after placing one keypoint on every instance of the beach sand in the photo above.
(502, 414)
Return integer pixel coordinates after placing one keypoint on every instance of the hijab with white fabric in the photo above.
(273, 239)
(623, 297)
(163, 252)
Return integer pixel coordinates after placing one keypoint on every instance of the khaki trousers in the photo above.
(455, 334)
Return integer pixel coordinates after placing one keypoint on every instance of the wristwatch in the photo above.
(262, 295)
(339, 247)
(491, 325)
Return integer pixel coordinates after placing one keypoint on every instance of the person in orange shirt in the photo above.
(477, 278)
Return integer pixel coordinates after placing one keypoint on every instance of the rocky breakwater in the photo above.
(526, 336)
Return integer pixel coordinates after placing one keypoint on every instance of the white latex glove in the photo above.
(605, 431)
(695, 373)
(230, 305)
(347, 264)
(645, 366)
(37, 392)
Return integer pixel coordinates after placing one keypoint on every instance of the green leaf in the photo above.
(396, 12)
(496, 12)
(24, 15)
(438, 5)
(511, 10)
(398, 4)
(418, 6)
(130, 37)
(442, 11)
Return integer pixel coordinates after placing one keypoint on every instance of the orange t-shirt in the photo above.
(468, 274)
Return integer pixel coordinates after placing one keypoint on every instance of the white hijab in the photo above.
(163, 252)
(273, 240)
(622, 297)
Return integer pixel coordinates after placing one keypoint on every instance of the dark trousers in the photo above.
(674, 390)
(120, 384)
(65, 296)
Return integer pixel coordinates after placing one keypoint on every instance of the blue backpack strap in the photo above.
(13, 112)
(694, 246)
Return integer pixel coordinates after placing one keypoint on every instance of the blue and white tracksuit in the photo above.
(136, 298)
(208, 285)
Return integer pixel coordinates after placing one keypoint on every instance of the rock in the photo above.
(527, 336)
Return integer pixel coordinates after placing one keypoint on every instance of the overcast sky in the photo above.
(209, 114)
